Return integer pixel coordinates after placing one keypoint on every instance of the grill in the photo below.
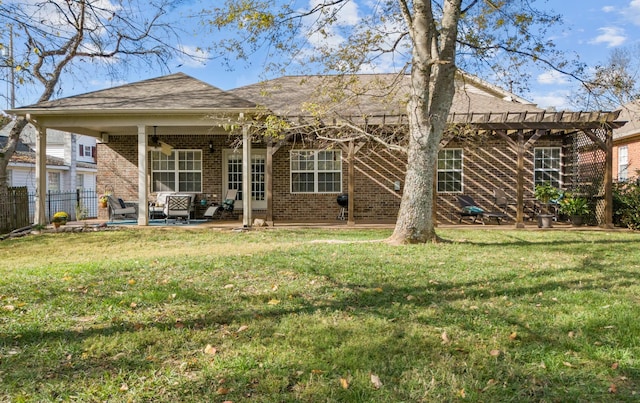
(343, 202)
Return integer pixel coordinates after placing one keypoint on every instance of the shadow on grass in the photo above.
(345, 325)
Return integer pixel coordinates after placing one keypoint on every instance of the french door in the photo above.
(232, 176)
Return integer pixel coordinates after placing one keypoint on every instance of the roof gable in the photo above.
(173, 92)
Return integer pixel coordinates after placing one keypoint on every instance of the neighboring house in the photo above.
(66, 153)
(626, 142)
(176, 133)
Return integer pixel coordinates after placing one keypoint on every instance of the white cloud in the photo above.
(632, 12)
(611, 36)
(194, 57)
(555, 99)
(552, 77)
(608, 9)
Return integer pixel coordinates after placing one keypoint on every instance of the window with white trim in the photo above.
(316, 171)
(179, 172)
(450, 170)
(547, 163)
(623, 163)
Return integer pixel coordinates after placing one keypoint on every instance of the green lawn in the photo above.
(320, 316)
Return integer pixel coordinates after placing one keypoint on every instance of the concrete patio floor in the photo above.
(339, 224)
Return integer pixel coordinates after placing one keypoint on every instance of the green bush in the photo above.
(626, 204)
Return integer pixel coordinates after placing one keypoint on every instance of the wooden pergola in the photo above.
(520, 131)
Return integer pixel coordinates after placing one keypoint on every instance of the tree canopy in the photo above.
(429, 39)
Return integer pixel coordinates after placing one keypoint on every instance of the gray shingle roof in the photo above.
(173, 92)
(359, 95)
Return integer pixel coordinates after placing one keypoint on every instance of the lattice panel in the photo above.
(586, 176)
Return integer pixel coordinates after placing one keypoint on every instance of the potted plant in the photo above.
(546, 193)
(59, 218)
(103, 200)
(575, 207)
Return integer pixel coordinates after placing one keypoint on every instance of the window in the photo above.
(80, 181)
(450, 170)
(53, 181)
(623, 163)
(314, 171)
(546, 163)
(179, 172)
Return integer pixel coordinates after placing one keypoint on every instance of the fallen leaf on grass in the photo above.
(375, 380)
(273, 302)
(344, 383)
(209, 349)
(513, 336)
(132, 282)
(567, 364)
(228, 286)
(222, 391)
(614, 365)
(445, 338)
(242, 328)
(613, 388)
(9, 308)
(494, 353)
(124, 387)
(378, 289)
(571, 335)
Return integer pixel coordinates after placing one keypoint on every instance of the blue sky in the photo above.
(591, 30)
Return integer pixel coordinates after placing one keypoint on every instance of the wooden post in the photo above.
(608, 180)
(520, 149)
(351, 184)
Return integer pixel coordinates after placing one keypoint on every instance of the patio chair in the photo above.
(469, 208)
(119, 209)
(156, 209)
(224, 209)
(178, 207)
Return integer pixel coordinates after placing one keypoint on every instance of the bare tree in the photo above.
(611, 84)
(429, 38)
(67, 39)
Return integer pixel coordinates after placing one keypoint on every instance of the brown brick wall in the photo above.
(486, 165)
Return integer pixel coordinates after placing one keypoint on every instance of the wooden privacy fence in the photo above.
(14, 210)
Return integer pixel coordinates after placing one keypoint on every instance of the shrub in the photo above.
(626, 204)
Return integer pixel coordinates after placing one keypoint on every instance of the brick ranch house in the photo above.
(181, 134)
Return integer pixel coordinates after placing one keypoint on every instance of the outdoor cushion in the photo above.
(472, 209)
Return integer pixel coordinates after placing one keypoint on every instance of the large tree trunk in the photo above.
(432, 89)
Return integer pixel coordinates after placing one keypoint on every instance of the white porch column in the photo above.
(143, 182)
(40, 216)
(246, 177)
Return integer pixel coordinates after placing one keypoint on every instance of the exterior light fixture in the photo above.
(211, 149)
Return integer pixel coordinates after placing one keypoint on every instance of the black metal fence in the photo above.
(79, 204)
